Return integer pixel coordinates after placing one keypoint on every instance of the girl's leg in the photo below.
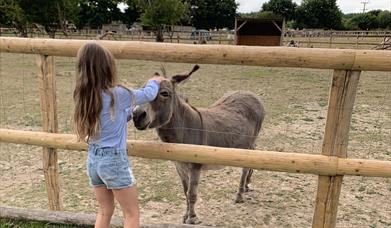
(128, 199)
(105, 199)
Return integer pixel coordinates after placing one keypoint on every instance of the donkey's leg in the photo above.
(195, 172)
(250, 172)
(185, 184)
(243, 180)
(248, 181)
(183, 173)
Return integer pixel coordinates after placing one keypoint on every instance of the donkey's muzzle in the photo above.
(140, 119)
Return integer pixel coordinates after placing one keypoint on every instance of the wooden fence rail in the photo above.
(66, 218)
(263, 160)
(330, 166)
(340, 59)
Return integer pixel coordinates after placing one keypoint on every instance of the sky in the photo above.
(347, 6)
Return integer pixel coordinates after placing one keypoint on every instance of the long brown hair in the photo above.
(95, 73)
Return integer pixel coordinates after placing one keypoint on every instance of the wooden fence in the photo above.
(331, 165)
(306, 38)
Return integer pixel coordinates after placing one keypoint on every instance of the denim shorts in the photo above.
(109, 167)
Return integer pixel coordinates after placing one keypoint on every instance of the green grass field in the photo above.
(9, 223)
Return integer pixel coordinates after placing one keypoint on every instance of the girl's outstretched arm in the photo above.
(149, 92)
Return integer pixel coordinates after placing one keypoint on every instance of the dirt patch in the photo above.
(296, 105)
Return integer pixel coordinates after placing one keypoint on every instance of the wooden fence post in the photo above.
(47, 90)
(357, 41)
(335, 143)
(331, 39)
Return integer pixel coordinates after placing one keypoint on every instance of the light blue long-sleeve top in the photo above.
(113, 131)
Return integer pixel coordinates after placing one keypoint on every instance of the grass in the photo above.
(11, 223)
(160, 193)
(308, 119)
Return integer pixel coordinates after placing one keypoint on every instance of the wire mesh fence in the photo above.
(295, 101)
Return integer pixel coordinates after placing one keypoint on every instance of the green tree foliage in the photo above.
(363, 21)
(203, 14)
(267, 14)
(260, 14)
(51, 14)
(284, 8)
(158, 13)
(132, 13)
(210, 14)
(251, 14)
(13, 16)
(384, 19)
(95, 13)
(374, 12)
(319, 14)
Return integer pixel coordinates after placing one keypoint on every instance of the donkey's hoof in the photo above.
(247, 189)
(239, 199)
(193, 220)
(185, 218)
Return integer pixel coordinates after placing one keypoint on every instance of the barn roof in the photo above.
(264, 26)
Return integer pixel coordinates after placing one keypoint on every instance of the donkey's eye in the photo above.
(164, 94)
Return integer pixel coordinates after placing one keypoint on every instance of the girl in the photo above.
(102, 109)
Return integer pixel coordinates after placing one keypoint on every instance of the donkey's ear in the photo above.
(182, 77)
(179, 78)
(163, 69)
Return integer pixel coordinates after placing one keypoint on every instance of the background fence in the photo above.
(305, 38)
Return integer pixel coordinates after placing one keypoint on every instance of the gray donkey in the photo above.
(233, 121)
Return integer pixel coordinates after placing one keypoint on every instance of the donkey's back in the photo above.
(234, 120)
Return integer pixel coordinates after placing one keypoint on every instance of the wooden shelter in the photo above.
(259, 31)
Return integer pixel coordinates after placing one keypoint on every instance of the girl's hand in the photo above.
(158, 78)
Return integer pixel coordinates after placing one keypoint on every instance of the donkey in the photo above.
(233, 121)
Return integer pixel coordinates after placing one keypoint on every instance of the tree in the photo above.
(95, 13)
(267, 14)
(210, 14)
(323, 14)
(364, 21)
(51, 15)
(249, 15)
(12, 15)
(375, 12)
(132, 13)
(284, 8)
(158, 13)
(384, 19)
